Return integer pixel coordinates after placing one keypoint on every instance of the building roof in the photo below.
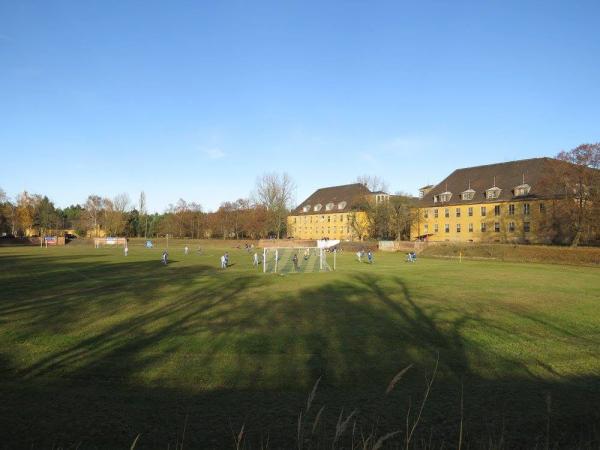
(344, 198)
(505, 176)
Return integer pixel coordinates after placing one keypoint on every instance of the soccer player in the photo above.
(223, 262)
(359, 256)
(185, 250)
(255, 260)
(295, 261)
(126, 250)
(165, 258)
(370, 257)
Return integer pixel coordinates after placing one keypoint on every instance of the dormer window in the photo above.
(493, 193)
(436, 198)
(329, 206)
(306, 208)
(445, 196)
(522, 189)
(342, 205)
(318, 207)
(469, 194)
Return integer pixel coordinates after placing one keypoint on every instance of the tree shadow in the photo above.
(135, 347)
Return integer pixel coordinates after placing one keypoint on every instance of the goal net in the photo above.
(110, 242)
(298, 260)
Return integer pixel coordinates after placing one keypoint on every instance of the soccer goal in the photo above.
(298, 260)
(110, 242)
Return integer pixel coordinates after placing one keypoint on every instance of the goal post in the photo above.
(298, 260)
(110, 242)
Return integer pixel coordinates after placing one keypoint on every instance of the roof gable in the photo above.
(503, 176)
(342, 197)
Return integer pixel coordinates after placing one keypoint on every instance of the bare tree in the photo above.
(143, 213)
(573, 213)
(114, 213)
(93, 210)
(276, 193)
(373, 183)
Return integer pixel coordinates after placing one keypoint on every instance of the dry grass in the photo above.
(579, 256)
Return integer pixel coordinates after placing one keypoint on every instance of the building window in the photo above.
(511, 210)
(426, 214)
(458, 227)
(497, 227)
(426, 227)
(457, 212)
(435, 227)
(435, 199)
(511, 227)
(493, 193)
(522, 189)
(445, 196)
(483, 227)
(447, 212)
(318, 207)
(526, 209)
(497, 210)
(542, 208)
(526, 227)
(470, 212)
(329, 206)
(470, 228)
(447, 228)
(435, 213)
(328, 218)
(306, 208)
(342, 205)
(483, 211)
(469, 194)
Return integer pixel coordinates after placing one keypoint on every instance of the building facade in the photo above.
(503, 202)
(334, 213)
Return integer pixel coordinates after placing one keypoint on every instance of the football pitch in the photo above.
(97, 348)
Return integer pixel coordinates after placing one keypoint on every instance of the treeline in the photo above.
(261, 215)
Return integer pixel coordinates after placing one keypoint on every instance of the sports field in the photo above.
(96, 348)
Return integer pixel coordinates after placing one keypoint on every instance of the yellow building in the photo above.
(334, 213)
(502, 202)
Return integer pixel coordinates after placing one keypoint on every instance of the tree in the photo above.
(93, 212)
(143, 214)
(402, 216)
(74, 217)
(24, 213)
(6, 208)
(276, 193)
(373, 183)
(574, 209)
(46, 217)
(114, 217)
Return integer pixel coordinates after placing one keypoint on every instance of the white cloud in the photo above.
(214, 153)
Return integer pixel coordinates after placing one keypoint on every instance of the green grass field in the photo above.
(96, 348)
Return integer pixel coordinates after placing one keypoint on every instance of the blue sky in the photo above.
(196, 99)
